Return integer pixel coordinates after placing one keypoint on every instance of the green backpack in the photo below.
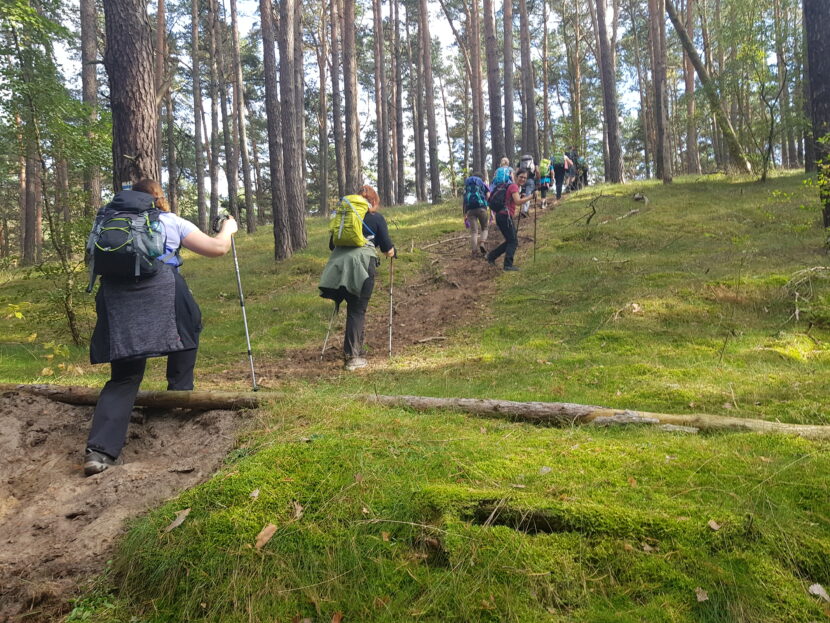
(346, 226)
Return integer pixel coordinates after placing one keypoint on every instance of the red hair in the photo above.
(368, 193)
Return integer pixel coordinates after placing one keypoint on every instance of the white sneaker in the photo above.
(356, 363)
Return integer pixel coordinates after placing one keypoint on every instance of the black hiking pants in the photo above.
(115, 404)
(511, 240)
(356, 316)
(559, 177)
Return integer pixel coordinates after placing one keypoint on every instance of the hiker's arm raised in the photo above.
(203, 244)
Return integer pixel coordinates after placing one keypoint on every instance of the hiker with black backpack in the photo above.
(356, 231)
(143, 305)
(561, 164)
(503, 201)
(476, 212)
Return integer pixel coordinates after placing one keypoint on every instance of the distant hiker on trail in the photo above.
(529, 187)
(545, 169)
(476, 212)
(504, 174)
(357, 230)
(581, 172)
(151, 314)
(503, 201)
(561, 164)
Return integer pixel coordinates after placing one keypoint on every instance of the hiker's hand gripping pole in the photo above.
(217, 227)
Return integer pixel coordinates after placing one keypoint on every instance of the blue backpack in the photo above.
(474, 194)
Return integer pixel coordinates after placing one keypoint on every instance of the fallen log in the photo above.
(563, 414)
(205, 400)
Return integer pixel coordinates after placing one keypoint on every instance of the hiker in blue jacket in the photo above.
(140, 318)
(476, 212)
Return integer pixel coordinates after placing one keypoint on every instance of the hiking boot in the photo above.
(512, 268)
(491, 261)
(96, 462)
(482, 248)
(355, 363)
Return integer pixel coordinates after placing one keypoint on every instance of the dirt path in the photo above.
(57, 527)
(453, 288)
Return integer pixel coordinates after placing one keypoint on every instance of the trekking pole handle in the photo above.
(218, 220)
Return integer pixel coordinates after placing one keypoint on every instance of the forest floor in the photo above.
(59, 528)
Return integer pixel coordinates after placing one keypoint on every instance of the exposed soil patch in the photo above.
(58, 528)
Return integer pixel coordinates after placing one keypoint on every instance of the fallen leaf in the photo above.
(482, 430)
(298, 509)
(49, 357)
(31, 337)
(380, 602)
(647, 548)
(701, 594)
(364, 510)
(818, 591)
(265, 535)
(628, 547)
(714, 525)
(358, 477)
(180, 517)
(337, 617)
(545, 470)
(254, 494)
(518, 486)
(764, 459)
(728, 405)
(385, 536)
(670, 457)
(692, 405)
(632, 481)
(636, 309)
(46, 372)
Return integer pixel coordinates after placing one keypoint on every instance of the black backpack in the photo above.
(473, 196)
(127, 238)
(498, 198)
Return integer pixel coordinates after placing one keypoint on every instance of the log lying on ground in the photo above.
(571, 414)
(545, 413)
(206, 400)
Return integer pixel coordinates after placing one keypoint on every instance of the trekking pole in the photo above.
(391, 281)
(217, 224)
(534, 230)
(331, 320)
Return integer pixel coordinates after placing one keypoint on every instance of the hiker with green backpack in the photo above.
(476, 212)
(356, 231)
(143, 305)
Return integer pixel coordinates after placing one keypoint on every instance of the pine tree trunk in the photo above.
(416, 87)
(323, 115)
(545, 103)
(231, 157)
(494, 87)
(160, 57)
(214, 117)
(429, 103)
(692, 154)
(279, 211)
(609, 96)
(198, 142)
(476, 80)
(29, 216)
(172, 164)
(451, 163)
(336, 98)
(661, 149)
(509, 136)
(529, 123)
(354, 174)
(129, 63)
(381, 124)
(89, 91)
(239, 103)
(817, 19)
(645, 118)
(400, 185)
(809, 138)
(292, 177)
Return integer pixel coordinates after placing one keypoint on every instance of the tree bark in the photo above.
(509, 136)
(397, 61)
(129, 63)
(292, 178)
(214, 117)
(662, 153)
(381, 122)
(172, 164)
(228, 117)
(282, 238)
(609, 96)
(529, 123)
(322, 114)
(198, 142)
(692, 154)
(494, 86)
(160, 58)
(89, 95)
(242, 123)
(429, 103)
(817, 20)
(416, 94)
(354, 175)
(337, 98)
(736, 153)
